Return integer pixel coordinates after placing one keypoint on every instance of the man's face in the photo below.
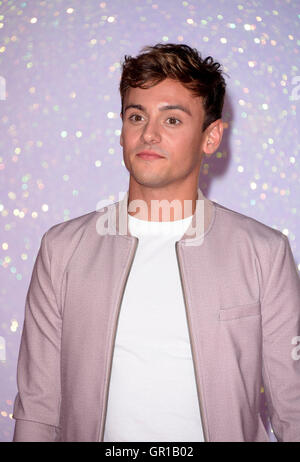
(172, 133)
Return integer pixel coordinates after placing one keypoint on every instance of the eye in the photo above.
(133, 116)
(174, 118)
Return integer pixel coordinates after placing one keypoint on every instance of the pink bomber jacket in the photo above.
(241, 289)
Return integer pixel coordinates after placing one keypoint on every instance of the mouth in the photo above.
(149, 155)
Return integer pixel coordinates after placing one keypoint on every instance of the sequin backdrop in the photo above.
(60, 125)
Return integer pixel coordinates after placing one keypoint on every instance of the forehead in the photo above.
(168, 91)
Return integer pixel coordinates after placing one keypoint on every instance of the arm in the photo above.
(37, 404)
(280, 325)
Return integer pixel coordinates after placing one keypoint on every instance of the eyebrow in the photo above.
(163, 108)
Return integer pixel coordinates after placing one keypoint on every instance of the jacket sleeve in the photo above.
(37, 403)
(280, 307)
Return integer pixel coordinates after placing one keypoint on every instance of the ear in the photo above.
(213, 138)
(121, 137)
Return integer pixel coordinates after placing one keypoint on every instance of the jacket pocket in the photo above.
(240, 311)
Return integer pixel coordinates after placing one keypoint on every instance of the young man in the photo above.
(163, 325)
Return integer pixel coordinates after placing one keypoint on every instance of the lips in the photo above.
(149, 155)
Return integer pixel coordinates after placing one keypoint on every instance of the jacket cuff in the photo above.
(29, 431)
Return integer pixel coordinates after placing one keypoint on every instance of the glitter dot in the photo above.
(240, 168)
(78, 134)
(98, 163)
(33, 20)
(190, 21)
(111, 151)
(253, 185)
(265, 106)
(14, 325)
(247, 26)
(34, 214)
(66, 177)
(110, 19)
(5, 246)
(45, 208)
(110, 115)
(223, 40)
(11, 195)
(70, 10)
(64, 134)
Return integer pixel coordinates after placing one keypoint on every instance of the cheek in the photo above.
(129, 137)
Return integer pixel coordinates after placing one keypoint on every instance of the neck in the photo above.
(153, 204)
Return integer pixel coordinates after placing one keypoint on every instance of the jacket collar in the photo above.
(201, 223)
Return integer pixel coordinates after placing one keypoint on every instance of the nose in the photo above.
(150, 133)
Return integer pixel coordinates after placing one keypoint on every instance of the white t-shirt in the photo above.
(153, 394)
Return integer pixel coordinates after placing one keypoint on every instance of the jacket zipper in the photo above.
(205, 434)
(113, 343)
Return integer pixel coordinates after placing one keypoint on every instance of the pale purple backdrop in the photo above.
(60, 125)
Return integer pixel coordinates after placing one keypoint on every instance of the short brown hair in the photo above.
(203, 77)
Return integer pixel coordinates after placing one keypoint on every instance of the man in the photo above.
(159, 317)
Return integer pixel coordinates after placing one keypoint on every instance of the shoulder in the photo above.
(64, 231)
(240, 228)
